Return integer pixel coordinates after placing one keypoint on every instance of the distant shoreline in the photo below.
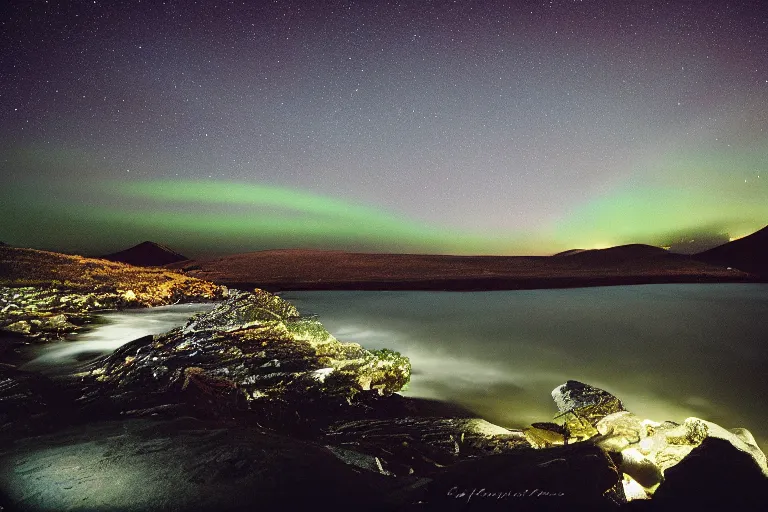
(481, 284)
(321, 270)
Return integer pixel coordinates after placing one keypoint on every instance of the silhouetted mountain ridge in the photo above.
(611, 255)
(146, 254)
(749, 254)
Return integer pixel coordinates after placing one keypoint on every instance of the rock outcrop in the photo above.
(574, 477)
(45, 296)
(582, 406)
(251, 353)
(713, 477)
(407, 444)
(648, 450)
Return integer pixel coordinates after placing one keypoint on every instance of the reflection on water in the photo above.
(668, 351)
(118, 329)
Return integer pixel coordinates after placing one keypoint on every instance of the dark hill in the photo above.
(749, 254)
(146, 254)
(613, 255)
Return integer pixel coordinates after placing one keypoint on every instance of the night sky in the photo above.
(465, 127)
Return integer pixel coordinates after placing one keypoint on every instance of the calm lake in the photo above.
(667, 351)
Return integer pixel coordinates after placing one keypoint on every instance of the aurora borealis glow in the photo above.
(486, 127)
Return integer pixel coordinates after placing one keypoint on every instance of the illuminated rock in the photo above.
(242, 310)
(545, 435)
(582, 406)
(50, 313)
(56, 323)
(21, 327)
(251, 352)
(647, 448)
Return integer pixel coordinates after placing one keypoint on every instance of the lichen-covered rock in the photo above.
(251, 352)
(583, 406)
(545, 435)
(21, 327)
(56, 323)
(242, 310)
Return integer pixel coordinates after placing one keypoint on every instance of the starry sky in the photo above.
(462, 127)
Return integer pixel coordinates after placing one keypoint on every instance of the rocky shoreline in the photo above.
(45, 315)
(254, 365)
(45, 297)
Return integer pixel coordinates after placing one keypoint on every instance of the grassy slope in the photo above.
(152, 286)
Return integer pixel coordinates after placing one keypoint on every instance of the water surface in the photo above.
(112, 330)
(668, 351)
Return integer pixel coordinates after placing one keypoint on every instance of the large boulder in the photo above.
(714, 476)
(646, 450)
(252, 352)
(583, 406)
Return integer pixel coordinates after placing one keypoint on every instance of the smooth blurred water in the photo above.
(667, 351)
(115, 329)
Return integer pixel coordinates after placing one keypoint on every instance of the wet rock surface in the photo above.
(252, 353)
(647, 452)
(582, 406)
(423, 445)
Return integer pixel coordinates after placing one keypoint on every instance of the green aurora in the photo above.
(686, 198)
(216, 217)
(680, 197)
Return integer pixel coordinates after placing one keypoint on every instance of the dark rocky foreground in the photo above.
(252, 406)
